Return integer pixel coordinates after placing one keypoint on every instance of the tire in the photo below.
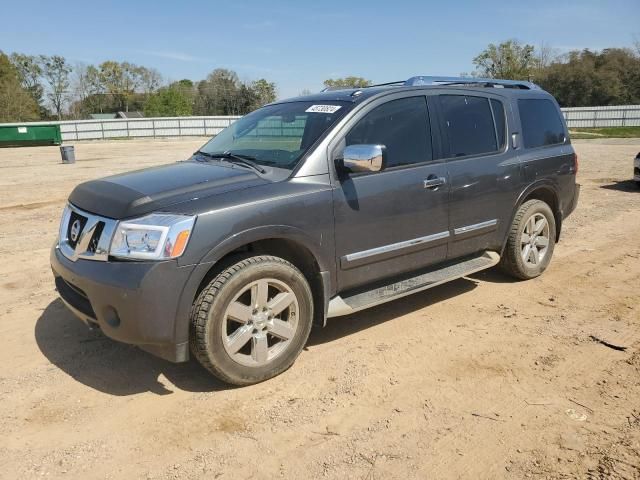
(244, 332)
(538, 256)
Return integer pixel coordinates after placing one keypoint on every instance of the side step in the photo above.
(354, 302)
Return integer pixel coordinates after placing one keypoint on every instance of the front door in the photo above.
(395, 220)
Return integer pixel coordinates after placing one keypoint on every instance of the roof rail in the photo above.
(331, 89)
(485, 82)
(430, 80)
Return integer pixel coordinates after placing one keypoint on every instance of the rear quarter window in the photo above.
(541, 124)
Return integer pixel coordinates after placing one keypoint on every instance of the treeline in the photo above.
(581, 78)
(42, 87)
(49, 87)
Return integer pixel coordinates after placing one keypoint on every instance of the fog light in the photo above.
(111, 317)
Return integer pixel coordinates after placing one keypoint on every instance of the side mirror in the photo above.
(364, 158)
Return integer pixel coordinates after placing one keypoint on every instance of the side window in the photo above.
(541, 124)
(498, 116)
(468, 124)
(402, 126)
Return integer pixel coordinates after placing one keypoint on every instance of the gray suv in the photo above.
(317, 207)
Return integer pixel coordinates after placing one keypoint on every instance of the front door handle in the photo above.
(434, 182)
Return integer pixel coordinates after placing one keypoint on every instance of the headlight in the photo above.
(64, 222)
(154, 237)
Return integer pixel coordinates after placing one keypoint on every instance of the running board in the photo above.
(351, 303)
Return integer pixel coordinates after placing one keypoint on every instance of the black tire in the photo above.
(512, 262)
(208, 312)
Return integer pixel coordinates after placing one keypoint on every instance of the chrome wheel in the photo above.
(535, 240)
(260, 322)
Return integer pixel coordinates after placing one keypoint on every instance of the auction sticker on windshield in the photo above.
(323, 109)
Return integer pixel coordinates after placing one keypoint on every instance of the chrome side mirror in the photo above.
(364, 158)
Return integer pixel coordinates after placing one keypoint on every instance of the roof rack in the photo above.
(484, 82)
(449, 81)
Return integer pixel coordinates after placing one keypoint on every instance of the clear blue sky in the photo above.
(298, 44)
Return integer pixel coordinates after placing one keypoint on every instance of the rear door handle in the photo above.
(434, 182)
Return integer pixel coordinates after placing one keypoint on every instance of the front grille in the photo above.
(84, 235)
(93, 243)
(75, 297)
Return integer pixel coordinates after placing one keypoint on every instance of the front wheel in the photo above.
(531, 241)
(252, 320)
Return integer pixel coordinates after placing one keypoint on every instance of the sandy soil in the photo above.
(480, 378)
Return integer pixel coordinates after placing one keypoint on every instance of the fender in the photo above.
(546, 184)
(268, 232)
(285, 232)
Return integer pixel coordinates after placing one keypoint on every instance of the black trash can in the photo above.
(68, 154)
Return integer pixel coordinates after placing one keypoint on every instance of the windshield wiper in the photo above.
(237, 158)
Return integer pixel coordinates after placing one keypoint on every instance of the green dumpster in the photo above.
(13, 135)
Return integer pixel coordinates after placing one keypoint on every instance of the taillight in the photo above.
(575, 163)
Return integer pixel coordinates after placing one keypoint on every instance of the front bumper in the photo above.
(131, 302)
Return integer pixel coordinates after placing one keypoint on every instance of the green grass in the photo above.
(607, 132)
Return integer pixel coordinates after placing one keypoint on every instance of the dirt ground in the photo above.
(484, 377)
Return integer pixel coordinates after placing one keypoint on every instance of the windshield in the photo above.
(277, 135)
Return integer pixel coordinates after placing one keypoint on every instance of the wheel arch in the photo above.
(286, 242)
(548, 193)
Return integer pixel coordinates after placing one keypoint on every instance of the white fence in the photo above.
(592, 117)
(614, 116)
(138, 127)
(144, 127)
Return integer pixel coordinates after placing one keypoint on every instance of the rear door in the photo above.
(483, 171)
(390, 222)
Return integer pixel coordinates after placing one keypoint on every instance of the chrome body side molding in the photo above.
(387, 251)
(476, 226)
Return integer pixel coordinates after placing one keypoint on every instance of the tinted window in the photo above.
(541, 124)
(468, 124)
(402, 126)
(498, 115)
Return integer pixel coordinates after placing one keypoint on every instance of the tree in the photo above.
(347, 82)
(168, 102)
(30, 73)
(264, 91)
(544, 55)
(150, 79)
(587, 78)
(219, 94)
(222, 93)
(125, 81)
(16, 103)
(508, 60)
(56, 72)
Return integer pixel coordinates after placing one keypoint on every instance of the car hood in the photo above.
(143, 191)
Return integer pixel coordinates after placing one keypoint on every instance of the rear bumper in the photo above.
(574, 201)
(131, 302)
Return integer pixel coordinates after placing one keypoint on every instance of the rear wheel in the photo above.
(251, 321)
(531, 241)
